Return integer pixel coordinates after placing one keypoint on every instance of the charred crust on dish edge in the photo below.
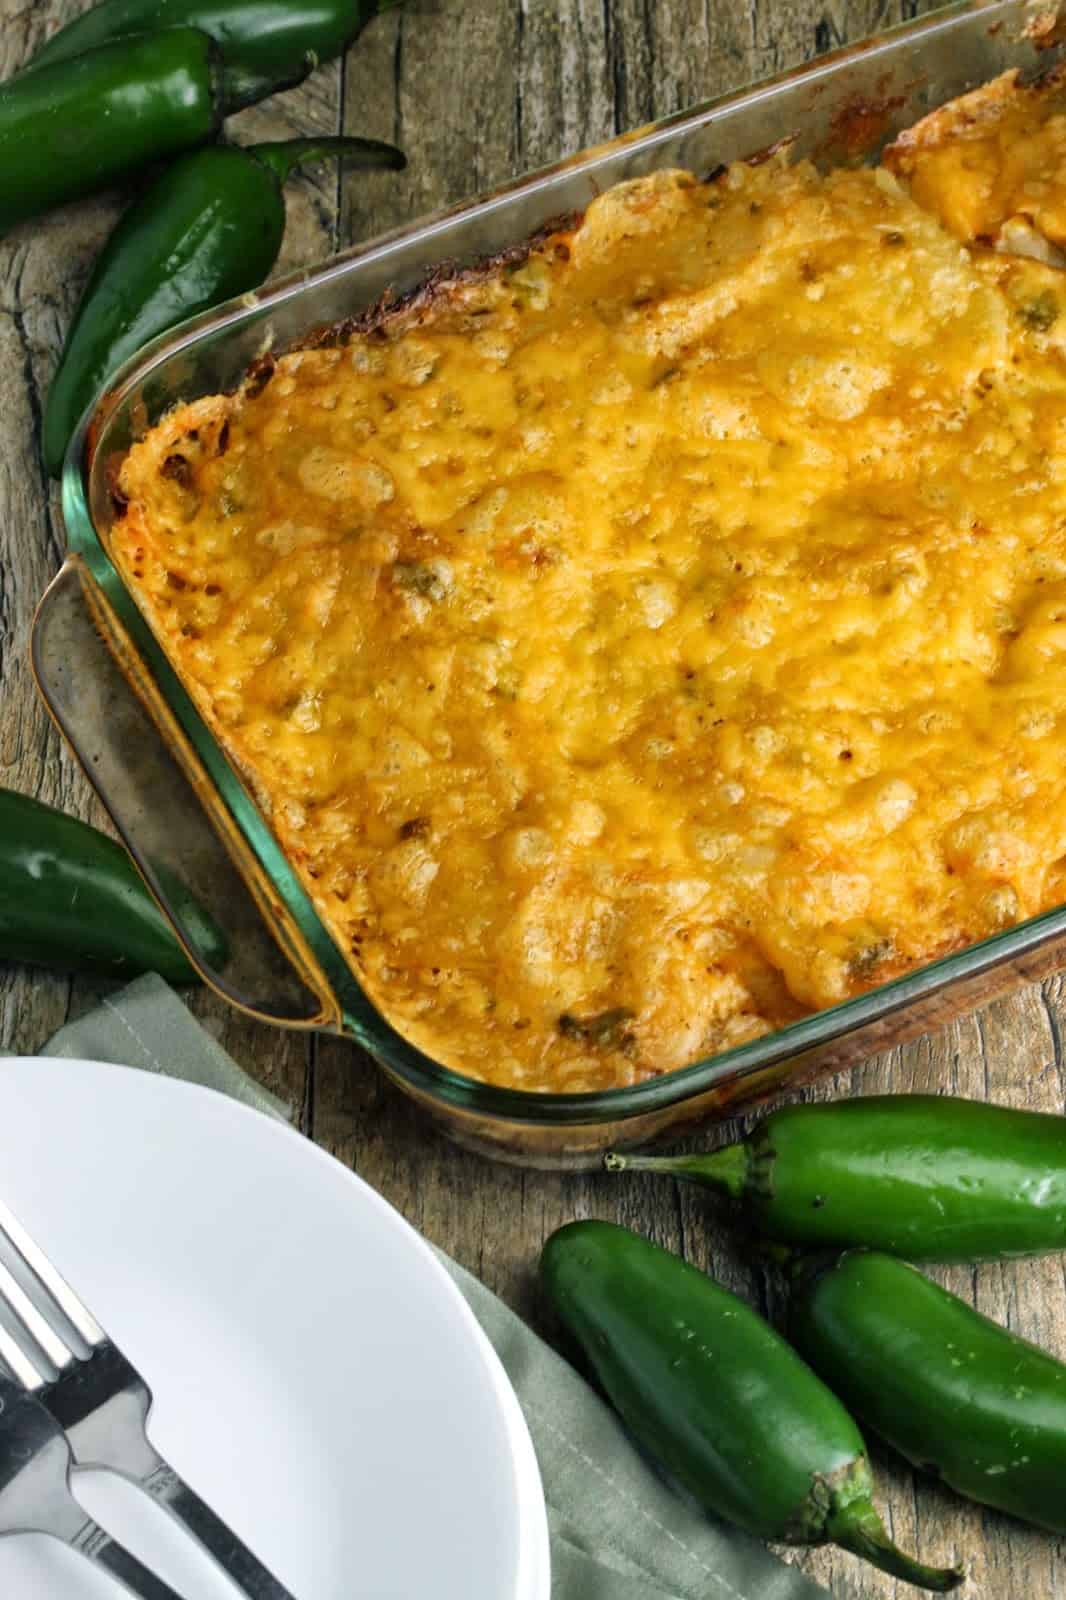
(446, 275)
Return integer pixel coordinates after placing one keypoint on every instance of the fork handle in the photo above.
(96, 1545)
(232, 1555)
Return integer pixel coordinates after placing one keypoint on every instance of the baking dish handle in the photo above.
(165, 806)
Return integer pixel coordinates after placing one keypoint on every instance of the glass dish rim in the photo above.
(362, 1021)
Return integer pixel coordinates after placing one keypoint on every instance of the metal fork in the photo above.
(102, 1404)
(35, 1497)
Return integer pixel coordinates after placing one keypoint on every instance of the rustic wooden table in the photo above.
(475, 91)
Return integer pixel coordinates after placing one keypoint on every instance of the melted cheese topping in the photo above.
(642, 646)
(992, 159)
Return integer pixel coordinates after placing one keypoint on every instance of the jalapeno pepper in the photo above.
(953, 1392)
(208, 228)
(921, 1176)
(71, 898)
(719, 1398)
(266, 44)
(75, 127)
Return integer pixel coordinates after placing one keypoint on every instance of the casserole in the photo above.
(840, 110)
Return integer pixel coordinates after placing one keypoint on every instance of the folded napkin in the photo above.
(618, 1531)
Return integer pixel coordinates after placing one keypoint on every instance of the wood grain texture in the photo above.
(476, 91)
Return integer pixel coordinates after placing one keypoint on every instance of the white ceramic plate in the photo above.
(318, 1377)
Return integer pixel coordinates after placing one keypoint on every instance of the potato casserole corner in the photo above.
(642, 642)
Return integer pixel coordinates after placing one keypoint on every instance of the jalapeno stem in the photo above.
(858, 1528)
(283, 155)
(725, 1170)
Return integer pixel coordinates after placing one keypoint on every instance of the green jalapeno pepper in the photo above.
(208, 228)
(76, 127)
(71, 898)
(921, 1176)
(719, 1398)
(266, 44)
(956, 1394)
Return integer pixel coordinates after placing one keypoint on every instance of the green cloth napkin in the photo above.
(618, 1531)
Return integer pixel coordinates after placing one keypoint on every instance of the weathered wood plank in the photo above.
(477, 90)
(42, 268)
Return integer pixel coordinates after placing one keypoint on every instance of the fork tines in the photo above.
(31, 1345)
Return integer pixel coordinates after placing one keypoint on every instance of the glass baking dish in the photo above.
(174, 797)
